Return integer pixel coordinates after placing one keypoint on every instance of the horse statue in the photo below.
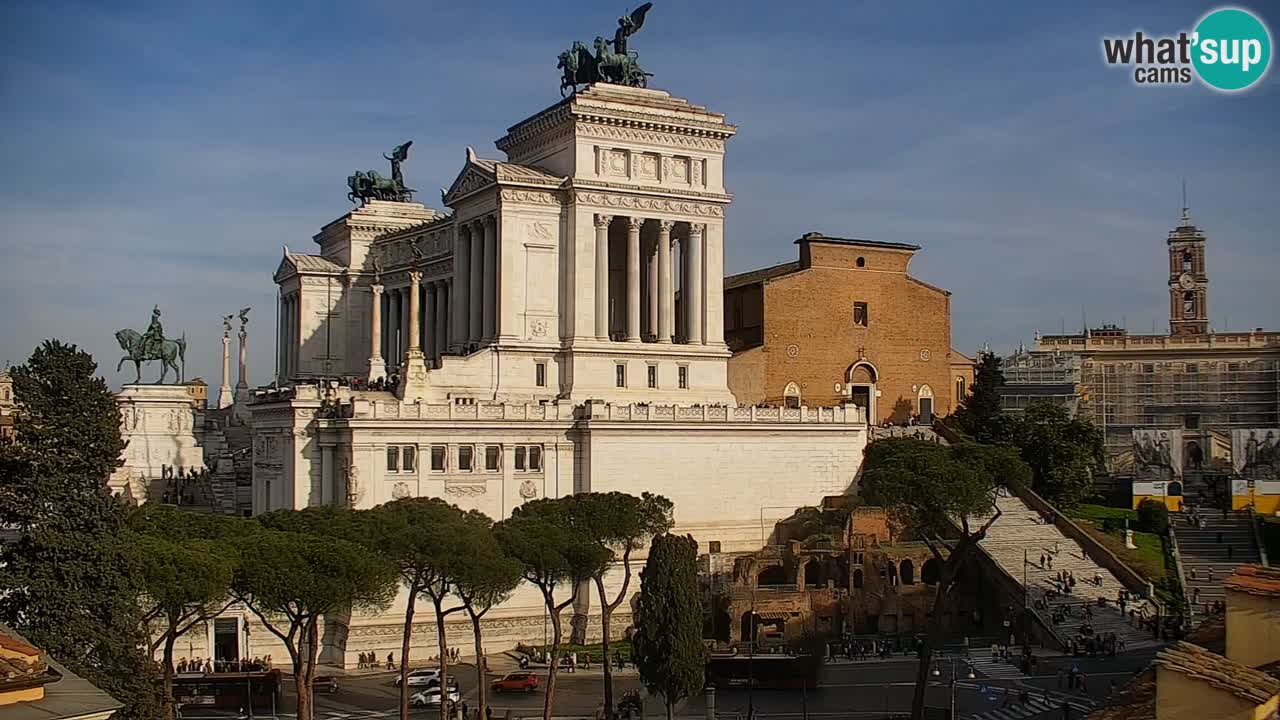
(619, 68)
(169, 352)
(370, 185)
(579, 67)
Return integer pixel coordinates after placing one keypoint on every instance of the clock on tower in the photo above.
(1188, 283)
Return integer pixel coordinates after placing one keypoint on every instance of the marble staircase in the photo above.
(1212, 552)
(1021, 533)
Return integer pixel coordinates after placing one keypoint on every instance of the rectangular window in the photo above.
(540, 374)
(620, 372)
(465, 453)
(437, 457)
(492, 457)
(713, 546)
(535, 458)
(860, 314)
(520, 454)
(393, 459)
(653, 377)
(682, 375)
(1148, 368)
(408, 458)
(1191, 422)
(1193, 368)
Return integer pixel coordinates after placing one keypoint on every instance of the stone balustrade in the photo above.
(363, 408)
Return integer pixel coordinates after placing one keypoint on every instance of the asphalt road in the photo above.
(868, 689)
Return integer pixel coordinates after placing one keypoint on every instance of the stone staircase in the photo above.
(1205, 550)
(1020, 530)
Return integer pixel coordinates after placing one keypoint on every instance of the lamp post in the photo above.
(937, 672)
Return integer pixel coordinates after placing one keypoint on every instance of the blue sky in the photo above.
(164, 152)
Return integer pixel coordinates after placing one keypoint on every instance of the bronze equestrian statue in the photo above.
(151, 346)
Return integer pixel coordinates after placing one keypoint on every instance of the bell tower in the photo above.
(1188, 283)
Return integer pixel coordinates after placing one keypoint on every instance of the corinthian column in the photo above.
(693, 301)
(602, 276)
(377, 367)
(415, 283)
(461, 287)
(633, 278)
(429, 321)
(666, 295)
(475, 324)
(490, 278)
(442, 318)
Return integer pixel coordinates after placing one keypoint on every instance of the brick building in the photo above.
(846, 323)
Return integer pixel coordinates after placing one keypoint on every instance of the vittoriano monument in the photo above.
(612, 61)
(372, 186)
(150, 346)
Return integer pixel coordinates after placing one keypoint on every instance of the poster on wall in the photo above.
(1157, 454)
(1255, 453)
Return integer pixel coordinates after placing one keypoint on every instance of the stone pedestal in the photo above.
(224, 390)
(157, 424)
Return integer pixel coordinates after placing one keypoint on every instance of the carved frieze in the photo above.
(467, 490)
(471, 182)
(614, 132)
(632, 202)
(533, 197)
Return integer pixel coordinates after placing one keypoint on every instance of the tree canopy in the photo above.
(1062, 451)
(667, 643)
(71, 581)
(979, 413)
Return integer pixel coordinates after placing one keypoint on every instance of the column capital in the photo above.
(490, 220)
(666, 225)
(376, 288)
(634, 223)
(696, 229)
(602, 221)
(415, 277)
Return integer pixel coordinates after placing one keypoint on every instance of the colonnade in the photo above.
(452, 314)
(289, 336)
(648, 308)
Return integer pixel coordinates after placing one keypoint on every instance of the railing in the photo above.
(1255, 525)
(1182, 575)
(391, 409)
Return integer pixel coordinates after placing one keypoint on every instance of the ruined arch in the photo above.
(907, 571)
(931, 572)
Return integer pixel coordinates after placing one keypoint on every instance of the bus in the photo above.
(222, 695)
(781, 672)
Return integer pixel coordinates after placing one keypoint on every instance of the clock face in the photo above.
(1186, 281)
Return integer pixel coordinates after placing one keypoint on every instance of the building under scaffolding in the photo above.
(1191, 387)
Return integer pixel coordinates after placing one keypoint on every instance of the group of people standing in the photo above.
(369, 660)
(209, 665)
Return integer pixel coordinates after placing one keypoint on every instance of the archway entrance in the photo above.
(861, 381)
(925, 404)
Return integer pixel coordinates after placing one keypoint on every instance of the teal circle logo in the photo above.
(1231, 49)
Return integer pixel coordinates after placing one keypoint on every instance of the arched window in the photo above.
(1187, 261)
(774, 575)
(791, 395)
(1189, 304)
(857, 579)
(960, 387)
(6, 394)
(907, 570)
(930, 573)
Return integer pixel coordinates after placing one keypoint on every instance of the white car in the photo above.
(431, 698)
(420, 677)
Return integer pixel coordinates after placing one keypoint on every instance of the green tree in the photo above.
(939, 491)
(294, 579)
(619, 524)
(1153, 517)
(188, 563)
(555, 554)
(70, 581)
(423, 538)
(487, 578)
(979, 414)
(667, 643)
(1062, 451)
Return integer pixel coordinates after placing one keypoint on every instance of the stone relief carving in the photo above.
(400, 491)
(533, 197)
(528, 489)
(538, 327)
(540, 231)
(355, 491)
(648, 166)
(696, 172)
(617, 163)
(465, 490)
(647, 136)
(630, 202)
(471, 182)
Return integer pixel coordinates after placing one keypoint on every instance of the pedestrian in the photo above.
(1219, 537)
(1224, 511)
(464, 710)
(1061, 672)
(1084, 682)
(391, 661)
(1229, 549)
(1193, 573)
(488, 712)
(1210, 574)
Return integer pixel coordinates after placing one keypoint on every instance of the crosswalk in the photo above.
(989, 667)
(1037, 704)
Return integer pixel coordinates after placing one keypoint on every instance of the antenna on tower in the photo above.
(1186, 209)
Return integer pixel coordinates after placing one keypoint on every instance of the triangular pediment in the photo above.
(474, 176)
(286, 268)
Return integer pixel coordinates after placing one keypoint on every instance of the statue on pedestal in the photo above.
(370, 185)
(619, 66)
(151, 346)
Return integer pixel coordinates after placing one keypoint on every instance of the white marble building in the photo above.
(560, 331)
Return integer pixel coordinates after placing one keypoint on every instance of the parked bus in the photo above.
(224, 695)
(783, 672)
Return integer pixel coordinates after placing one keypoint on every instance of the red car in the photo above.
(516, 682)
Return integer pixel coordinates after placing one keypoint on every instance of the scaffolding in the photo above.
(1033, 376)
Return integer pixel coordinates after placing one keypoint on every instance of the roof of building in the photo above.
(756, 276)
(312, 263)
(66, 695)
(1255, 580)
(819, 237)
(1227, 675)
(515, 172)
(1137, 699)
